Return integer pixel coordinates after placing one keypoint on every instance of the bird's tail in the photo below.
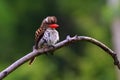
(31, 61)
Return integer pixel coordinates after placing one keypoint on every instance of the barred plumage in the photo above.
(40, 32)
(38, 35)
(46, 34)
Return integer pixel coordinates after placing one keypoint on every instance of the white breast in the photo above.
(51, 36)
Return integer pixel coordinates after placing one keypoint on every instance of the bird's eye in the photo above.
(51, 20)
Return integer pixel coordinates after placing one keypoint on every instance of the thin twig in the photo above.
(67, 41)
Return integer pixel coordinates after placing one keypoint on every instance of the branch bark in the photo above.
(67, 41)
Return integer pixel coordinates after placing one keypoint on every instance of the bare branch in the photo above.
(67, 41)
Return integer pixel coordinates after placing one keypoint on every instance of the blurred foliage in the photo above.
(80, 61)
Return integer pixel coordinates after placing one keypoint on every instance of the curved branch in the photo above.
(67, 41)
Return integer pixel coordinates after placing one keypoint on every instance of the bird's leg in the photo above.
(51, 52)
(48, 46)
(52, 46)
(44, 47)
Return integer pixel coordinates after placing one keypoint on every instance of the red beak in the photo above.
(53, 25)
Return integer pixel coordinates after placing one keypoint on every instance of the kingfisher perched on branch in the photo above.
(46, 34)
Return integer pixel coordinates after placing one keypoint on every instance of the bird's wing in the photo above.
(38, 35)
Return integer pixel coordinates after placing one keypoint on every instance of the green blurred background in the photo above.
(19, 19)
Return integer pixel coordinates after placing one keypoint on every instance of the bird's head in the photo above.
(51, 22)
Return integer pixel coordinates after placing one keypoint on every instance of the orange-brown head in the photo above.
(51, 21)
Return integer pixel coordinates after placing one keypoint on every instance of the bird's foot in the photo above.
(50, 52)
(52, 46)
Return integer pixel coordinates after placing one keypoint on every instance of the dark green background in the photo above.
(19, 19)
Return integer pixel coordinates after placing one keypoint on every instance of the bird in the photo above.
(46, 34)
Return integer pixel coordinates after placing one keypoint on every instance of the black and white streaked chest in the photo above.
(51, 36)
